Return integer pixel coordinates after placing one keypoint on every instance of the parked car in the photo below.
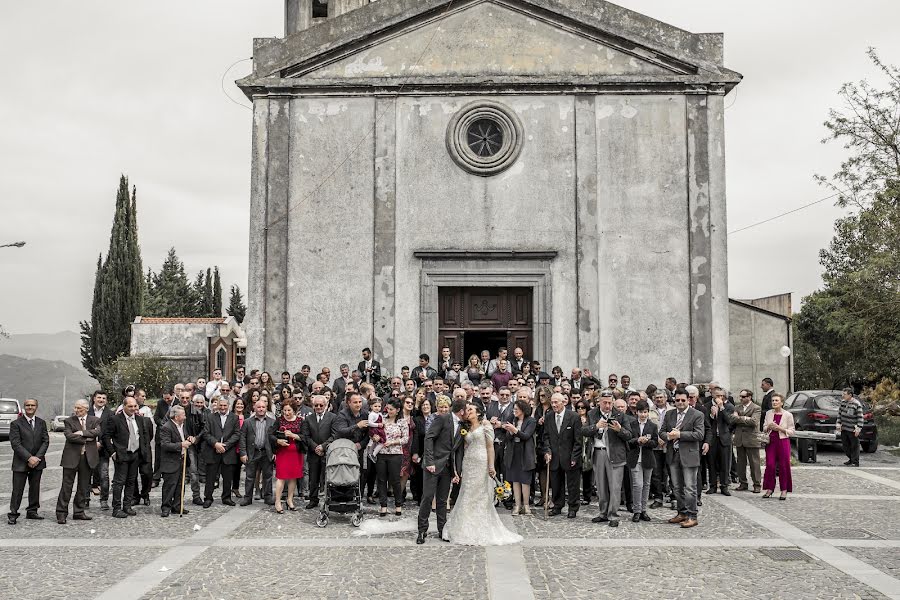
(9, 410)
(58, 423)
(817, 410)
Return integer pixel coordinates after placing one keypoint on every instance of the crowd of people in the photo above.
(561, 442)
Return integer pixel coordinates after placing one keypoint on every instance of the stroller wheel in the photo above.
(322, 520)
(356, 520)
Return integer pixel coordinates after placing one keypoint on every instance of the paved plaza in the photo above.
(837, 537)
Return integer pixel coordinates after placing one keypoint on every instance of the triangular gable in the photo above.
(484, 40)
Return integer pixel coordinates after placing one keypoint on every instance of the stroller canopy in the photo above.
(342, 463)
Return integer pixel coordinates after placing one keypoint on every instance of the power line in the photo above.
(783, 214)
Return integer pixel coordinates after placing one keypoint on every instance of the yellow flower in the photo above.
(463, 432)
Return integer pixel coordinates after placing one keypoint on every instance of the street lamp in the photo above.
(13, 245)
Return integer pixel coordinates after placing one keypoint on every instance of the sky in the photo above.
(94, 89)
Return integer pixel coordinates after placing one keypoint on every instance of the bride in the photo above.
(473, 521)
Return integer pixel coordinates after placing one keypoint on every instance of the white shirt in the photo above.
(180, 429)
(600, 442)
(455, 424)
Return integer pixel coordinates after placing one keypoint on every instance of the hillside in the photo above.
(22, 378)
(64, 346)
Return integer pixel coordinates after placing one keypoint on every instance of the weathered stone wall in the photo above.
(756, 341)
(175, 339)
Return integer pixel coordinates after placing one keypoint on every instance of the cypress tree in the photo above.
(236, 307)
(208, 295)
(197, 296)
(217, 294)
(89, 348)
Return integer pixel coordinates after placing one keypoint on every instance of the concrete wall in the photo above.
(177, 339)
(756, 340)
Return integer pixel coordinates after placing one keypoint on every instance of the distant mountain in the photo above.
(22, 378)
(64, 346)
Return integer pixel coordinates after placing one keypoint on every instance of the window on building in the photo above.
(240, 357)
(319, 9)
(221, 356)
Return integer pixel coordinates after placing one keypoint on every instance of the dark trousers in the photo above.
(626, 487)
(157, 476)
(263, 465)
(564, 484)
(499, 466)
(719, 465)
(659, 482)
(124, 482)
(172, 491)
(435, 486)
(83, 475)
(100, 477)
(316, 466)
(369, 477)
(587, 484)
(143, 481)
(33, 478)
(388, 469)
(235, 477)
(850, 444)
(734, 471)
(213, 470)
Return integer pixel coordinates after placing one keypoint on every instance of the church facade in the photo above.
(481, 173)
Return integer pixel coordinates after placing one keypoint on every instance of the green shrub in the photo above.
(147, 371)
(888, 430)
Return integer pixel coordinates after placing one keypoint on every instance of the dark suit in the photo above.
(564, 444)
(170, 463)
(609, 458)
(26, 442)
(764, 407)
(229, 435)
(372, 377)
(316, 433)
(258, 459)
(145, 462)
(641, 461)
(160, 416)
(80, 455)
(720, 449)
(504, 416)
(684, 461)
(100, 475)
(115, 439)
(444, 451)
(339, 387)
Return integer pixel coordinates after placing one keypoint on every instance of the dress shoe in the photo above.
(207, 503)
(854, 464)
(585, 502)
(645, 517)
(656, 504)
(555, 511)
(599, 519)
(82, 518)
(246, 501)
(11, 520)
(613, 523)
(61, 519)
(130, 512)
(34, 516)
(311, 504)
(228, 502)
(678, 519)
(710, 490)
(756, 489)
(235, 494)
(572, 514)
(197, 501)
(688, 523)
(185, 512)
(104, 505)
(725, 491)
(636, 517)
(699, 502)
(146, 501)
(164, 512)
(420, 539)
(119, 514)
(741, 488)
(847, 463)
(270, 501)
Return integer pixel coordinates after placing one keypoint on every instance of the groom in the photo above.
(443, 459)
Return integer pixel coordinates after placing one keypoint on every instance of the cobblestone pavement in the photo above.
(844, 522)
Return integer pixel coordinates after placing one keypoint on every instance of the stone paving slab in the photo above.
(839, 480)
(883, 559)
(732, 574)
(891, 474)
(66, 572)
(835, 518)
(431, 571)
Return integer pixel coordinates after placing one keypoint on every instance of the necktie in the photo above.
(82, 422)
(31, 422)
(678, 426)
(559, 421)
(132, 435)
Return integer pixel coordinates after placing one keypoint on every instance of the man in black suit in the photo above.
(498, 413)
(100, 409)
(145, 461)
(683, 431)
(369, 368)
(518, 361)
(316, 430)
(122, 439)
(174, 442)
(221, 434)
(160, 415)
(339, 387)
(351, 423)
(424, 371)
(257, 452)
(29, 439)
(767, 386)
(562, 444)
(196, 422)
(609, 432)
(80, 456)
(641, 460)
(721, 413)
(442, 461)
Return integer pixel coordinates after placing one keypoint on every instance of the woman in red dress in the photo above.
(288, 454)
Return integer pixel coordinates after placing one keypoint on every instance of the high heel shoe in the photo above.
(783, 496)
(382, 512)
(279, 510)
(768, 494)
(398, 512)
(292, 508)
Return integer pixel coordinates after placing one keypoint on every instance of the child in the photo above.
(376, 429)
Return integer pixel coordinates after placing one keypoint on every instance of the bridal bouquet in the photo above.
(502, 491)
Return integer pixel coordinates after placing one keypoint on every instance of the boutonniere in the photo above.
(463, 431)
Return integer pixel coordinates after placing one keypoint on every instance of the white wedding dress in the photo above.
(473, 521)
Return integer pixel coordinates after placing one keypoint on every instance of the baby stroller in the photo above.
(342, 491)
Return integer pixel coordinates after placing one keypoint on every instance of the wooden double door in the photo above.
(472, 319)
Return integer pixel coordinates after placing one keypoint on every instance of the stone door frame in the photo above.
(451, 268)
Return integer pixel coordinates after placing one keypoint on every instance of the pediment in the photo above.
(485, 39)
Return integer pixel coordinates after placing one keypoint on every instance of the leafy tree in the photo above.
(236, 307)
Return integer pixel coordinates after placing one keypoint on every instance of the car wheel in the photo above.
(870, 447)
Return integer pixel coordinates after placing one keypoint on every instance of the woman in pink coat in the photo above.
(779, 424)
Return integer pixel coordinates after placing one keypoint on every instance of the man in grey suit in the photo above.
(221, 433)
(29, 439)
(174, 442)
(80, 456)
(257, 452)
(316, 430)
(746, 440)
(682, 430)
(608, 431)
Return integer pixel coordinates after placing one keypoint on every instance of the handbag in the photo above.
(763, 438)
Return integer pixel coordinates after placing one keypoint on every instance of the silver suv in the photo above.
(9, 410)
